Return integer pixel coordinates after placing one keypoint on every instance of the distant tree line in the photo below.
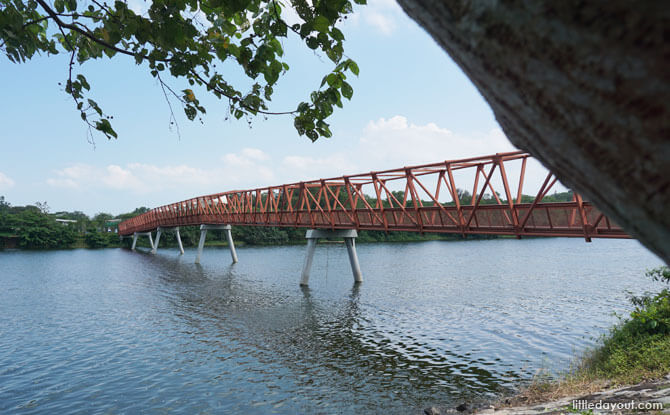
(35, 227)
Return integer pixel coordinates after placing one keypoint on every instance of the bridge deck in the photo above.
(426, 199)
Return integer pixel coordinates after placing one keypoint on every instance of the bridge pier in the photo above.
(154, 247)
(349, 235)
(160, 230)
(136, 234)
(229, 236)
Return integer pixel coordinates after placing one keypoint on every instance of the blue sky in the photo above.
(411, 105)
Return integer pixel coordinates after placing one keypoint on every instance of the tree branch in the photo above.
(173, 119)
(237, 99)
(41, 19)
(89, 35)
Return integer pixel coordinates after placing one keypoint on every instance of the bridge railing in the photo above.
(426, 198)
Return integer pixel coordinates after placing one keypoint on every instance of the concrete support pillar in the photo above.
(136, 234)
(309, 256)
(353, 259)
(229, 237)
(313, 235)
(160, 230)
(231, 244)
(181, 246)
(158, 239)
(201, 244)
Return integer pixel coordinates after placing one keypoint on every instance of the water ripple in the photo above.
(112, 331)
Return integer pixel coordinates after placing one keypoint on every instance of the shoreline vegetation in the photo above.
(636, 351)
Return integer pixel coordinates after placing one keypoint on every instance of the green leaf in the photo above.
(277, 47)
(332, 79)
(313, 135)
(83, 82)
(347, 90)
(94, 105)
(353, 67)
(190, 112)
(321, 24)
(337, 34)
(59, 5)
(312, 42)
(106, 128)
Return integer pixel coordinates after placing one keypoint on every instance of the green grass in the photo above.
(628, 356)
(638, 348)
(622, 358)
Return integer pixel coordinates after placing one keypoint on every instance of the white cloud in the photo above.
(245, 168)
(246, 157)
(255, 154)
(6, 182)
(301, 168)
(396, 142)
(72, 177)
(383, 23)
(250, 166)
(116, 177)
(381, 15)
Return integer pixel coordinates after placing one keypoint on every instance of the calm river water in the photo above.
(435, 323)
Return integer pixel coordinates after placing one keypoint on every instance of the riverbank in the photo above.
(630, 365)
(648, 397)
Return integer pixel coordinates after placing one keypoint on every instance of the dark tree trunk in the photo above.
(583, 86)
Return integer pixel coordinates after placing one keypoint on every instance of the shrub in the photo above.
(652, 313)
(639, 347)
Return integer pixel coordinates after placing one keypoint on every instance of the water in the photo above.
(436, 323)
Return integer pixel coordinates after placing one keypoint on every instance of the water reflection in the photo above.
(326, 345)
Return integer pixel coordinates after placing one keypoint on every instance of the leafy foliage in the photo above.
(263, 235)
(652, 313)
(97, 239)
(36, 229)
(187, 39)
(639, 347)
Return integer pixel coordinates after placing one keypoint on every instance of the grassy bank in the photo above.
(635, 350)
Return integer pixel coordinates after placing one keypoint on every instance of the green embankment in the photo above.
(639, 347)
(635, 350)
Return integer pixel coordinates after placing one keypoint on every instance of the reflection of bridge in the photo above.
(425, 198)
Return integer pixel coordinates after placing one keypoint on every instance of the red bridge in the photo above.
(427, 198)
(427, 201)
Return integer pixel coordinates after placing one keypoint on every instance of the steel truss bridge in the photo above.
(426, 198)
